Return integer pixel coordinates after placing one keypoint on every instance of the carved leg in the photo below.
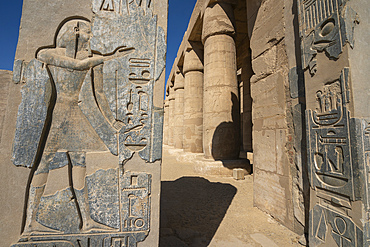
(80, 188)
(36, 191)
(88, 224)
(32, 226)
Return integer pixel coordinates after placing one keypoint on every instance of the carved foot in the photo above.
(36, 228)
(92, 226)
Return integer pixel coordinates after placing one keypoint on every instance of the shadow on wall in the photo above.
(225, 141)
(192, 209)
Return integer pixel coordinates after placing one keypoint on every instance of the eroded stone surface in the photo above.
(90, 92)
(32, 113)
(337, 139)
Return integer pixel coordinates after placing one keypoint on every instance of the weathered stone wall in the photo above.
(5, 80)
(32, 37)
(359, 58)
(337, 119)
(56, 38)
(13, 180)
(273, 129)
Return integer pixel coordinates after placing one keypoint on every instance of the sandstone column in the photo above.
(171, 115)
(179, 110)
(193, 103)
(166, 121)
(221, 101)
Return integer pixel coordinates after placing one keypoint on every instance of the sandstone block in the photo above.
(265, 64)
(269, 100)
(268, 27)
(264, 148)
(238, 174)
(271, 194)
(282, 162)
(90, 121)
(5, 82)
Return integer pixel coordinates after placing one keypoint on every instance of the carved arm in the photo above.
(52, 58)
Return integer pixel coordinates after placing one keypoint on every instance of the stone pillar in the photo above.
(105, 136)
(193, 103)
(221, 100)
(179, 110)
(171, 116)
(166, 121)
(337, 119)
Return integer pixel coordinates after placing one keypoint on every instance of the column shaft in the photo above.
(171, 116)
(179, 111)
(221, 100)
(193, 103)
(166, 121)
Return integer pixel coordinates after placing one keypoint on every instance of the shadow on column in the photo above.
(192, 208)
(225, 141)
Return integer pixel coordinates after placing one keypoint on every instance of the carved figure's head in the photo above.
(74, 35)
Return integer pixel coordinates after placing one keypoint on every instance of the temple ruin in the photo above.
(283, 84)
(273, 89)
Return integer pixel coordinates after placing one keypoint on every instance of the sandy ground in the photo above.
(213, 211)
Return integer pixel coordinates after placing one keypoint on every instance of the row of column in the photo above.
(202, 105)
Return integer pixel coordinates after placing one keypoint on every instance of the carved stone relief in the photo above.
(330, 162)
(338, 166)
(91, 91)
(343, 229)
(327, 25)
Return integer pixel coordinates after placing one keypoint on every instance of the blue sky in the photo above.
(10, 14)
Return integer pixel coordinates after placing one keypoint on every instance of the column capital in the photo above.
(192, 61)
(218, 19)
(171, 95)
(179, 81)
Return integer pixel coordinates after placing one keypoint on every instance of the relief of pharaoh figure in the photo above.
(69, 134)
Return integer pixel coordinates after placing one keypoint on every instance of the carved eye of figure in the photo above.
(327, 28)
(145, 74)
(77, 29)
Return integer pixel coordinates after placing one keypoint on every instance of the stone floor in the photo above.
(213, 211)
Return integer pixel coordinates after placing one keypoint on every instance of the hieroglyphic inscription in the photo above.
(329, 151)
(323, 28)
(363, 148)
(334, 165)
(122, 7)
(84, 240)
(135, 195)
(315, 11)
(107, 5)
(129, 81)
(343, 229)
(136, 113)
